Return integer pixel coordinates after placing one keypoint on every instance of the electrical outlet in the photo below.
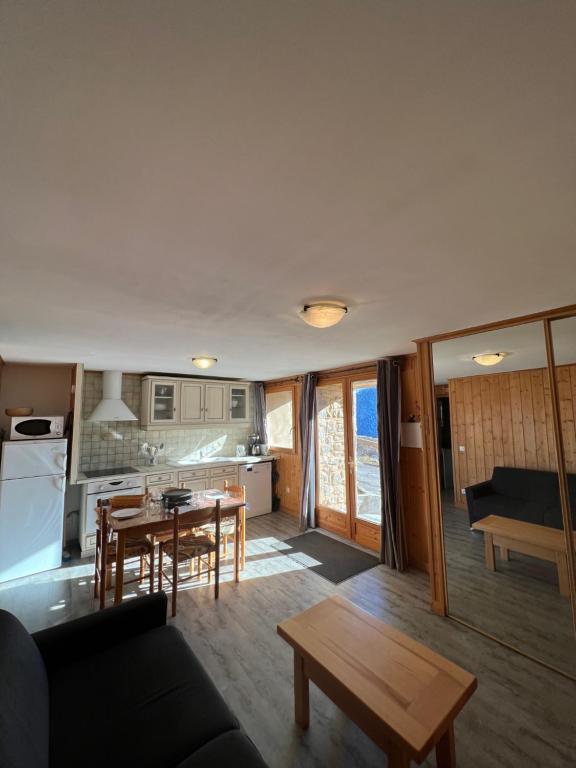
(461, 449)
(463, 491)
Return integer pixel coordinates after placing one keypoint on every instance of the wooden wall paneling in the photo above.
(496, 422)
(477, 426)
(528, 420)
(507, 435)
(506, 419)
(541, 438)
(413, 499)
(412, 471)
(549, 419)
(289, 463)
(435, 539)
(516, 414)
(566, 406)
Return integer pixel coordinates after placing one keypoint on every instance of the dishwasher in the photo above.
(257, 479)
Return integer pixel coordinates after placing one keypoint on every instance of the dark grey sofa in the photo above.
(117, 688)
(522, 494)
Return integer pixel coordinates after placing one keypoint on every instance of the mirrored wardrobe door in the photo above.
(564, 344)
(501, 511)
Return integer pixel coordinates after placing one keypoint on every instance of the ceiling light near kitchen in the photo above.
(323, 314)
(204, 362)
(489, 358)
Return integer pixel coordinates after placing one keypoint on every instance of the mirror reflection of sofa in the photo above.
(531, 495)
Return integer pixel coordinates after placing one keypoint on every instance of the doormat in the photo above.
(327, 557)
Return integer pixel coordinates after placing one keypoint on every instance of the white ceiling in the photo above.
(524, 344)
(178, 177)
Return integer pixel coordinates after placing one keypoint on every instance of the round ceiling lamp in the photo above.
(323, 314)
(204, 362)
(489, 358)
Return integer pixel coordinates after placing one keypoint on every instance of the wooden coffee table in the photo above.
(400, 693)
(527, 538)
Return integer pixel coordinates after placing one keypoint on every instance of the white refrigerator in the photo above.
(32, 486)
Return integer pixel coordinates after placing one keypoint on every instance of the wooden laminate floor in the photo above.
(518, 603)
(522, 715)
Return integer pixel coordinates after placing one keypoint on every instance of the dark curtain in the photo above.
(392, 547)
(308, 452)
(260, 411)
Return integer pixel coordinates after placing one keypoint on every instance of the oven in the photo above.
(36, 427)
(102, 489)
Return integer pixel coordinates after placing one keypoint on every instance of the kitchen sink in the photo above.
(215, 460)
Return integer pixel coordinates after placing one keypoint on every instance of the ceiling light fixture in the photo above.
(204, 362)
(323, 314)
(489, 358)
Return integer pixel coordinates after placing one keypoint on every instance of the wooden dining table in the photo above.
(155, 519)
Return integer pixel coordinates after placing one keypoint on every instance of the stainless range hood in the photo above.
(112, 407)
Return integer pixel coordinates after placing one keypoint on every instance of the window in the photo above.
(280, 418)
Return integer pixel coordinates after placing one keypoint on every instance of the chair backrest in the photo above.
(24, 698)
(235, 490)
(191, 518)
(125, 502)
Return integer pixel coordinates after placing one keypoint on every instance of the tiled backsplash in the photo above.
(114, 444)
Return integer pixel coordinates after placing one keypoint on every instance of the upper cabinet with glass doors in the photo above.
(187, 402)
(239, 402)
(160, 402)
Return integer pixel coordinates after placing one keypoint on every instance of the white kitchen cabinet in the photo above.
(160, 402)
(170, 402)
(195, 485)
(215, 403)
(192, 402)
(239, 403)
(222, 475)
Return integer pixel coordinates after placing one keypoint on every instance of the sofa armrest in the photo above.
(478, 490)
(473, 493)
(77, 639)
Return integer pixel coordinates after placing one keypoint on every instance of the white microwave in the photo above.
(36, 427)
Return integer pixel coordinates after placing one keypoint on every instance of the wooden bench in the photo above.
(526, 538)
(401, 694)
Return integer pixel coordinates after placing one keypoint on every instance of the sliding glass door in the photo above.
(348, 496)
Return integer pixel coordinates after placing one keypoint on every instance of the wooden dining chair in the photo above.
(105, 559)
(197, 546)
(237, 491)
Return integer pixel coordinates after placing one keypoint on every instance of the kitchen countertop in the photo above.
(175, 466)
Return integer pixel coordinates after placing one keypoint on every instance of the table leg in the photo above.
(175, 560)
(301, 693)
(504, 553)
(243, 537)
(446, 750)
(120, 550)
(489, 551)
(103, 568)
(237, 548)
(397, 758)
(562, 567)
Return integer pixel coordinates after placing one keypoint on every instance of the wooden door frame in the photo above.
(438, 583)
(354, 529)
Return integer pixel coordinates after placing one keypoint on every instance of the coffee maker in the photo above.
(254, 444)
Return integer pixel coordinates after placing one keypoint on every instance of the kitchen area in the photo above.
(123, 434)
